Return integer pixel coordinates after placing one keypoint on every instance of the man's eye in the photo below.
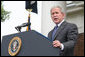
(56, 12)
(52, 14)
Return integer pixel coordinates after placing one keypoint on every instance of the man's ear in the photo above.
(63, 14)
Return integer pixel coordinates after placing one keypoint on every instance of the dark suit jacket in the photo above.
(67, 34)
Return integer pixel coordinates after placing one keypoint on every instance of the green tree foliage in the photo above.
(4, 13)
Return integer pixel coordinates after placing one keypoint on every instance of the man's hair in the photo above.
(56, 7)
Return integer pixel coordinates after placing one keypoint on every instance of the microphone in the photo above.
(18, 28)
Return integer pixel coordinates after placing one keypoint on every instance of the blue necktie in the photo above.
(54, 31)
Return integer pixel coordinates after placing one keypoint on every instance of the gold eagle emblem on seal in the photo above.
(14, 46)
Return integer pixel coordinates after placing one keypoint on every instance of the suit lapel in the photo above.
(60, 29)
(50, 34)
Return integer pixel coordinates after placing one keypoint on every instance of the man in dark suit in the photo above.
(64, 34)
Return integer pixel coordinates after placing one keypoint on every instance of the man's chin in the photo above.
(56, 22)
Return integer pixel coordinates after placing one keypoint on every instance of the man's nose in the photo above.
(55, 15)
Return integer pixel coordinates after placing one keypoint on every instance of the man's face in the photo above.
(57, 15)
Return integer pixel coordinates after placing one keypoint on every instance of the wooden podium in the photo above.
(33, 44)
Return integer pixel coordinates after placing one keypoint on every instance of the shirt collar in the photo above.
(60, 22)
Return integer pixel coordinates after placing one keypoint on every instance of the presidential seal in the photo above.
(14, 46)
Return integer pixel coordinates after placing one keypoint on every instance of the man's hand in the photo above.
(56, 43)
